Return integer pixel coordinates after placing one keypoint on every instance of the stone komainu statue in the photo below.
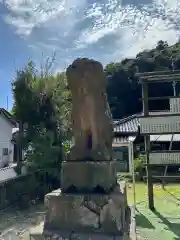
(91, 117)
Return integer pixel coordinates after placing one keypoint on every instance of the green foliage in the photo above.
(44, 155)
(42, 102)
(125, 176)
(123, 88)
(139, 163)
(66, 146)
(139, 166)
(24, 93)
(139, 171)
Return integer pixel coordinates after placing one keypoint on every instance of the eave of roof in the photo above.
(130, 125)
(127, 126)
(8, 116)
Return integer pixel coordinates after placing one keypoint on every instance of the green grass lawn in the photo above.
(164, 223)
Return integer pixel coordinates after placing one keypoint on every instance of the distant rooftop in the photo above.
(129, 127)
(8, 116)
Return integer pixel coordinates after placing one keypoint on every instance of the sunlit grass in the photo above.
(164, 223)
(170, 191)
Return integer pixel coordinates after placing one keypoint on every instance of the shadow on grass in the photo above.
(172, 195)
(143, 222)
(173, 227)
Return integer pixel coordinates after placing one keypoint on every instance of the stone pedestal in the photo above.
(88, 176)
(90, 204)
(87, 216)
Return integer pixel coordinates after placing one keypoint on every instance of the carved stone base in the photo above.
(98, 214)
(88, 176)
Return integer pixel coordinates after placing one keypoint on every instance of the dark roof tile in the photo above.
(124, 139)
(9, 116)
(127, 125)
(130, 124)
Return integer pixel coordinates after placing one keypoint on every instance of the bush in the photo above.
(128, 177)
(139, 167)
(125, 176)
(44, 155)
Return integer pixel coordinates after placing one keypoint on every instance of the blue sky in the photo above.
(107, 30)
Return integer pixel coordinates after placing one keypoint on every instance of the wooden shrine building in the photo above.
(164, 124)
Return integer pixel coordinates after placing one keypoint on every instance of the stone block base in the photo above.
(40, 235)
(88, 176)
(84, 236)
(99, 214)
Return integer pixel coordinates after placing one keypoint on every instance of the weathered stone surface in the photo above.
(113, 214)
(68, 210)
(86, 176)
(110, 217)
(95, 202)
(38, 234)
(87, 213)
(91, 118)
(84, 236)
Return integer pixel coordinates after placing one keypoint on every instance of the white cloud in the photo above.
(137, 29)
(28, 14)
(107, 31)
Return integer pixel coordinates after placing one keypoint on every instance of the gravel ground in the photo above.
(15, 224)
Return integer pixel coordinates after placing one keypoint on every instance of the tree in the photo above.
(42, 103)
(123, 88)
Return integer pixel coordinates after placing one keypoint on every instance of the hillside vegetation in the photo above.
(123, 88)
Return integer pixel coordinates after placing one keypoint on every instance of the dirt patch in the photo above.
(15, 224)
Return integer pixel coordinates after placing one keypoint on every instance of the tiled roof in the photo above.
(127, 128)
(124, 139)
(127, 125)
(9, 116)
(130, 124)
(117, 140)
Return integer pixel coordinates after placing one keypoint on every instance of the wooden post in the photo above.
(147, 148)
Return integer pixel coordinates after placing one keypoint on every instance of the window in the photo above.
(5, 151)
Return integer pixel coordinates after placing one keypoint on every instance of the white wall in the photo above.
(11, 153)
(5, 129)
(7, 173)
(5, 140)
